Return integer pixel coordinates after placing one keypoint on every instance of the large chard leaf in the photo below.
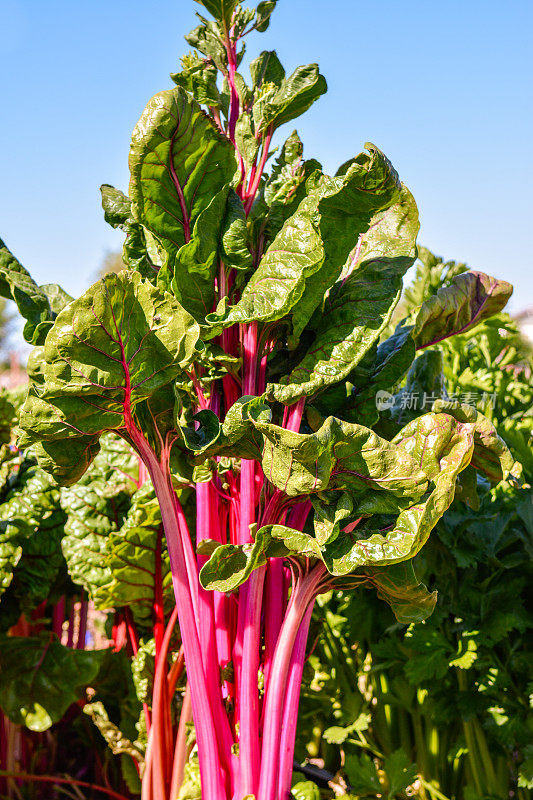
(359, 305)
(38, 305)
(40, 678)
(115, 347)
(470, 298)
(491, 455)
(308, 254)
(178, 162)
(339, 455)
(441, 448)
(137, 557)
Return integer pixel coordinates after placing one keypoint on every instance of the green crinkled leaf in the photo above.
(178, 161)
(491, 455)
(359, 305)
(231, 565)
(66, 459)
(282, 192)
(116, 205)
(266, 68)
(207, 39)
(40, 678)
(219, 233)
(192, 279)
(308, 254)
(329, 515)
(339, 455)
(96, 509)
(367, 390)
(441, 448)
(295, 94)
(116, 346)
(205, 435)
(263, 13)
(398, 586)
(37, 304)
(137, 557)
(199, 79)
(235, 251)
(470, 298)
(31, 528)
(236, 436)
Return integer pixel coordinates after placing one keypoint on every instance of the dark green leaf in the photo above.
(41, 678)
(178, 162)
(32, 301)
(137, 558)
(359, 305)
(116, 346)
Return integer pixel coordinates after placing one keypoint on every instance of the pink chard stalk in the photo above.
(239, 354)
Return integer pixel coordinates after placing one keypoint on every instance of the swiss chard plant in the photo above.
(243, 354)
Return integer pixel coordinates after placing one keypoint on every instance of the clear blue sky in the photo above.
(444, 88)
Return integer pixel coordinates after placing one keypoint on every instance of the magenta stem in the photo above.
(290, 712)
(250, 602)
(302, 596)
(275, 604)
(175, 525)
(252, 191)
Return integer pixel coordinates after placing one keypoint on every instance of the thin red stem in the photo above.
(24, 776)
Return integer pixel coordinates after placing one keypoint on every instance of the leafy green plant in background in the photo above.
(239, 356)
(451, 695)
